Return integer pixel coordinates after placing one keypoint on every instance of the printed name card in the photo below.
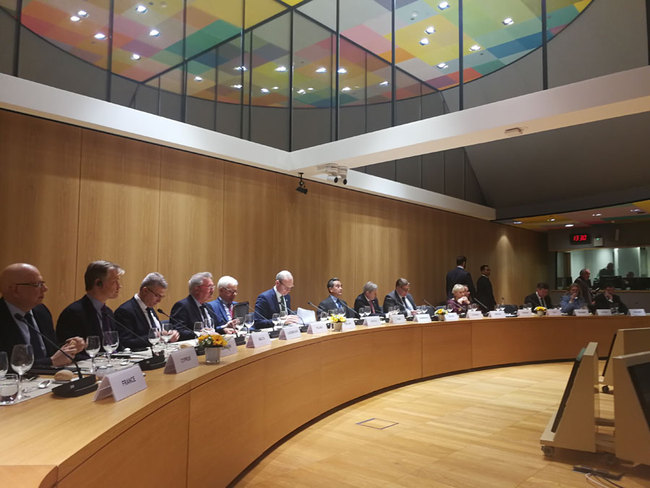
(372, 321)
(603, 311)
(258, 339)
(348, 325)
(581, 312)
(230, 348)
(181, 360)
(317, 328)
(474, 314)
(524, 312)
(497, 314)
(637, 312)
(397, 319)
(121, 384)
(422, 318)
(553, 312)
(451, 317)
(289, 332)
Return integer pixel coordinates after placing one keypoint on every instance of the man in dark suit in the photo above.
(194, 308)
(608, 300)
(584, 283)
(334, 300)
(89, 315)
(224, 306)
(138, 315)
(400, 298)
(23, 290)
(459, 276)
(540, 298)
(368, 298)
(484, 293)
(275, 300)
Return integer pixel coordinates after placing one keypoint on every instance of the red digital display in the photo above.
(579, 238)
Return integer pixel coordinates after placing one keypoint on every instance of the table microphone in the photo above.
(76, 388)
(174, 321)
(156, 361)
(353, 310)
(318, 308)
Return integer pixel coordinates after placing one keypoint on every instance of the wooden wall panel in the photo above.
(119, 208)
(39, 200)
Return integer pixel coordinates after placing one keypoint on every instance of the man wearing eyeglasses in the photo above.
(275, 300)
(224, 306)
(400, 298)
(139, 315)
(23, 290)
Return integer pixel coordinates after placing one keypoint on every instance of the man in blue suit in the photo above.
(334, 300)
(275, 300)
(224, 306)
(459, 276)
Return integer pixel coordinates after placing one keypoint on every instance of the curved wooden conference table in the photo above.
(203, 427)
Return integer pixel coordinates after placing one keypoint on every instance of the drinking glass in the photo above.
(283, 317)
(198, 329)
(111, 341)
(8, 388)
(275, 318)
(249, 321)
(166, 333)
(364, 312)
(92, 348)
(22, 359)
(153, 336)
(4, 363)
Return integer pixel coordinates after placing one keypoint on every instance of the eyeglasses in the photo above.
(158, 295)
(38, 284)
(229, 291)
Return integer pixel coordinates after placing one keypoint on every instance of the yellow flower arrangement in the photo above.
(441, 311)
(212, 340)
(540, 309)
(337, 317)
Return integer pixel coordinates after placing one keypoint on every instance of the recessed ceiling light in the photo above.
(75, 18)
(264, 90)
(100, 36)
(276, 87)
(141, 9)
(636, 210)
(475, 47)
(424, 41)
(597, 214)
(198, 79)
(430, 30)
(342, 70)
(443, 5)
(301, 92)
(517, 222)
(508, 21)
(346, 89)
(550, 220)
(236, 86)
(310, 89)
(82, 13)
(154, 33)
(135, 56)
(442, 65)
(240, 68)
(322, 69)
(568, 225)
(414, 15)
(384, 83)
(281, 69)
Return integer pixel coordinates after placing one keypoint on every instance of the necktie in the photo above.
(372, 307)
(407, 304)
(106, 321)
(542, 302)
(34, 338)
(152, 318)
(206, 315)
(283, 304)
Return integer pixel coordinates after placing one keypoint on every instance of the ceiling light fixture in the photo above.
(264, 90)
(141, 9)
(508, 21)
(82, 13)
(301, 92)
(517, 222)
(342, 71)
(198, 79)
(322, 69)
(568, 225)
(75, 18)
(430, 30)
(281, 69)
(154, 33)
(276, 87)
(597, 214)
(424, 41)
(475, 48)
(443, 5)
(100, 36)
(551, 219)
(384, 83)
(237, 86)
(240, 68)
(346, 89)
(135, 56)
(442, 65)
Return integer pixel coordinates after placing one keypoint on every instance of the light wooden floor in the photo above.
(478, 429)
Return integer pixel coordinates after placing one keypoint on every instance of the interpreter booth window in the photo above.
(624, 267)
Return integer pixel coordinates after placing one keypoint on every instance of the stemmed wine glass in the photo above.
(111, 341)
(166, 333)
(283, 318)
(249, 321)
(198, 329)
(22, 359)
(4, 364)
(364, 312)
(92, 348)
(275, 318)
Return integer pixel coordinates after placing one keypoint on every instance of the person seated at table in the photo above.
(275, 300)
(540, 298)
(608, 300)
(334, 300)
(224, 306)
(368, 298)
(400, 298)
(460, 301)
(572, 300)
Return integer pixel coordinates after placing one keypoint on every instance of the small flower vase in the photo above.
(212, 355)
(441, 317)
(541, 313)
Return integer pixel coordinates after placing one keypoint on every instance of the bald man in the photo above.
(23, 290)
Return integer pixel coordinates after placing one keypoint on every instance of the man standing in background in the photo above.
(484, 292)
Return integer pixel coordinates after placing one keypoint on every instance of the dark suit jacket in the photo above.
(328, 304)
(131, 316)
(394, 300)
(185, 312)
(534, 300)
(219, 312)
(80, 319)
(265, 306)
(602, 302)
(10, 334)
(458, 276)
(484, 293)
(362, 301)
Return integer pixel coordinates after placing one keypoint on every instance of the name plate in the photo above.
(524, 312)
(229, 349)
(422, 318)
(317, 328)
(181, 360)
(603, 311)
(397, 318)
(553, 312)
(121, 384)
(451, 317)
(474, 315)
(348, 325)
(258, 339)
(637, 312)
(289, 332)
(581, 312)
(497, 314)
(372, 321)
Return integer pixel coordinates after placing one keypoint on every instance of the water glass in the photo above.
(275, 318)
(198, 329)
(111, 342)
(249, 321)
(4, 363)
(92, 348)
(22, 359)
(8, 388)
